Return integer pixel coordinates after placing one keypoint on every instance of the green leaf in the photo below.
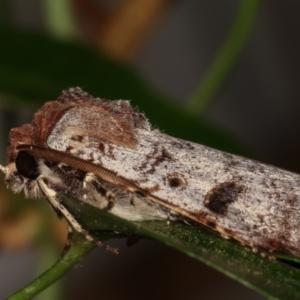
(35, 68)
(270, 278)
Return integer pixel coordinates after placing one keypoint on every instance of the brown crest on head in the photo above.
(81, 115)
(17, 136)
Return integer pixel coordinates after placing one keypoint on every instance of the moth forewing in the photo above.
(106, 154)
(253, 203)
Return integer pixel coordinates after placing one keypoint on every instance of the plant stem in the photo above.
(79, 248)
(226, 58)
(59, 18)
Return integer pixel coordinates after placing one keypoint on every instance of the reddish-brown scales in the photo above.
(211, 224)
(101, 147)
(276, 245)
(19, 135)
(46, 119)
(90, 117)
(111, 152)
(153, 189)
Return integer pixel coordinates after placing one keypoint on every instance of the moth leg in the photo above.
(108, 195)
(168, 218)
(131, 200)
(3, 169)
(57, 205)
(69, 240)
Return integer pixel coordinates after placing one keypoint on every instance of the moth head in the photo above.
(22, 174)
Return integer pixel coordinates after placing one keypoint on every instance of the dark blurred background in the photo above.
(173, 48)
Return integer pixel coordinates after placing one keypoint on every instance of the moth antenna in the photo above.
(107, 247)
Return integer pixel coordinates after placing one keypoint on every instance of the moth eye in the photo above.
(27, 165)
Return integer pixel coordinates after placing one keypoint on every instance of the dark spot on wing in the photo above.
(176, 180)
(278, 244)
(221, 196)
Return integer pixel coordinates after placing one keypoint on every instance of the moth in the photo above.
(105, 153)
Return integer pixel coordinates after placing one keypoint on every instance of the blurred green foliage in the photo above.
(35, 68)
